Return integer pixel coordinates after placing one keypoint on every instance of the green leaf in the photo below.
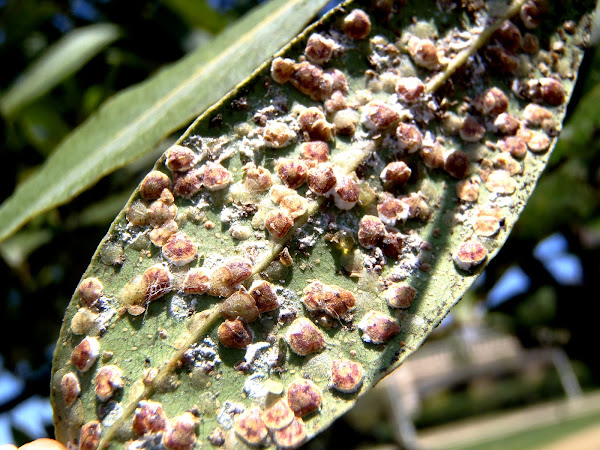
(59, 61)
(332, 264)
(130, 124)
(199, 14)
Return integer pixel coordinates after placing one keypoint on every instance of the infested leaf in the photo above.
(129, 125)
(306, 235)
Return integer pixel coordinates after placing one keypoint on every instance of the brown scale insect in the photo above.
(180, 249)
(409, 137)
(357, 24)
(153, 184)
(304, 397)
(250, 428)
(457, 164)
(378, 328)
(409, 89)
(264, 296)
(278, 222)
(195, 281)
(240, 305)
(85, 354)
(181, 433)
(180, 159)
(304, 337)
(371, 231)
(469, 255)
(187, 184)
(293, 173)
(108, 381)
(330, 299)
(278, 416)
(149, 417)
(70, 388)
(319, 49)
(89, 291)
(346, 375)
(258, 179)
(89, 436)
(235, 334)
(491, 103)
(315, 151)
(215, 177)
(347, 192)
(321, 179)
(312, 81)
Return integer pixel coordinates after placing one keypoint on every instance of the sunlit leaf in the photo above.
(253, 265)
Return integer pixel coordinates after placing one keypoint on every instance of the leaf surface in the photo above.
(336, 263)
(130, 124)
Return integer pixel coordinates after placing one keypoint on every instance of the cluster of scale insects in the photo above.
(396, 112)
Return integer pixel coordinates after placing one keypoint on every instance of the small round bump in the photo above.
(535, 115)
(425, 54)
(278, 222)
(278, 416)
(304, 397)
(195, 281)
(500, 182)
(391, 210)
(180, 249)
(89, 436)
(471, 130)
(278, 135)
(312, 81)
(330, 299)
(235, 334)
(292, 436)
(294, 204)
(137, 214)
(469, 255)
(507, 124)
(187, 184)
(380, 115)
(433, 157)
(160, 212)
(371, 231)
(345, 121)
(240, 305)
(89, 291)
(509, 36)
(409, 89)
(264, 296)
(149, 417)
(108, 381)
(468, 190)
(378, 328)
(539, 142)
(293, 173)
(70, 388)
(319, 49)
(181, 433)
(304, 337)
(258, 179)
(515, 145)
(215, 177)
(250, 428)
(491, 103)
(282, 69)
(346, 193)
(396, 174)
(457, 164)
(357, 24)
(346, 375)
(153, 184)
(161, 234)
(317, 151)
(312, 122)
(85, 354)
(409, 137)
(321, 179)
(400, 295)
(180, 159)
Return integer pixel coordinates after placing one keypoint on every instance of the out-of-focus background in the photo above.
(516, 363)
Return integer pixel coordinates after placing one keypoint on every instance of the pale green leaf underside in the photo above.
(178, 321)
(132, 123)
(58, 62)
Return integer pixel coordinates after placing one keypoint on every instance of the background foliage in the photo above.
(43, 262)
